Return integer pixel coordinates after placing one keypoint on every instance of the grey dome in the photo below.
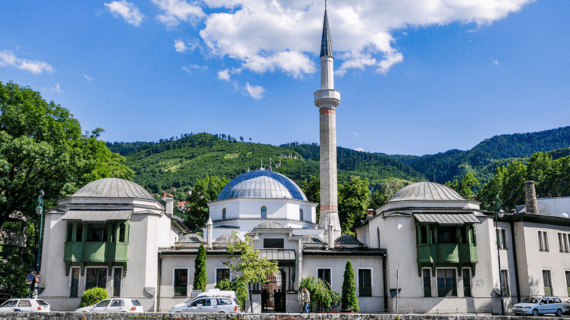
(224, 238)
(313, 238)
(269, 225)
(347, 239)
(113, 188)
(426, 191)
(262, 184)
(192, 238)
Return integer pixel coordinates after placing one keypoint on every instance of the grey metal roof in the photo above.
(269, 225)
(347, 239)
(224, 238)
(426, 191)
(262, 184)
(312, 238)
(96, 216)
(277, 254)
(449, 219)
(192, 238)
(113, 188)
(326, 42)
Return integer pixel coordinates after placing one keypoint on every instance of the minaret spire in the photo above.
(327, 99)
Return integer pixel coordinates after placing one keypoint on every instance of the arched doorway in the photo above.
(273, 296)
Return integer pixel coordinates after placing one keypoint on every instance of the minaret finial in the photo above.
(326, 42)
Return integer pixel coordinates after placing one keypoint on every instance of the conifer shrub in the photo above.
(200, 268)
(349, 299)
(92, 296)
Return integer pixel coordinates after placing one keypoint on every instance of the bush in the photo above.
(92, 296)
(321, 293)
(238, 286)
(349, 299)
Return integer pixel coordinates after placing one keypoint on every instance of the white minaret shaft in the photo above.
(327, 99)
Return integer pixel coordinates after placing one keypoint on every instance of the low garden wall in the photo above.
(217, 316)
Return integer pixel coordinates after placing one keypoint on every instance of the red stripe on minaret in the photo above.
(323, 111)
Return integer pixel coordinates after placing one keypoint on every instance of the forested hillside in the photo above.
(182, 162)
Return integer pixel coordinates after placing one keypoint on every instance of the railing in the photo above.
(365, 292)
(447, 292)
(427, 292)
(467, 291)
(547, 291)
(447, 252)
(116, 291)
(95, 252)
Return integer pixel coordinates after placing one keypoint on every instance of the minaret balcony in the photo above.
(327, 96)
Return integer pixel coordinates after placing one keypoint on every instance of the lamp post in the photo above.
(40, 211)
(498, 215)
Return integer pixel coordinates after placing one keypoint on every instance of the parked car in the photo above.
(537, 305)
(210, 301)
(25, 305)
(567, 305)
(114, 305)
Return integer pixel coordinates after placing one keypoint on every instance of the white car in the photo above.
(114, 305)
(212, 300)
(25, 305)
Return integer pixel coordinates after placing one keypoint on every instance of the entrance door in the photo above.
(273, 296)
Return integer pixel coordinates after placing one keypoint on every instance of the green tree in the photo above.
(200, 270)
(453, 185)
(312, 189)
(385, 191)
(42, 148)
(321, 293)
(354, 197)
(467, 184)
(237, 285)
(204, 191)
(250, 265)
(92, 296)
(349, 299)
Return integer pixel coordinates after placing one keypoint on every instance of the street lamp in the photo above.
(39, 210)
(498, 215)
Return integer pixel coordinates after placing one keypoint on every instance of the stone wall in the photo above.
(205, 316)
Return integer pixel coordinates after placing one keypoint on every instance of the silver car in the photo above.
(209, 305)
(537, 305)
(25, 305)
(114, 305)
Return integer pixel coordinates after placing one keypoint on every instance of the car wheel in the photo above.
(535, 313)
(559, 313)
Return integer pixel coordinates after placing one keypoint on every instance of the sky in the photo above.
(416, 77)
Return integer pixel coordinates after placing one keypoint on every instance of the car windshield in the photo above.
(41, 303)
(103, 303)
(9, 303)
(531, 300)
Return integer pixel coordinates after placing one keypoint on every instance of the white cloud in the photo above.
(189, 67)
(127, 10)
(269, 35)
(34, 66)
(496, 62)
(255, 92)
(182, 46)
(359, 149)
(175, 11)
(88, 77)
(355, 133)
(57, 88)
(224, 74)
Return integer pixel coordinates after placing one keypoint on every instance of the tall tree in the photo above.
(312, 189)
(354, 197)
(42, 148)
(385, 191)
(200, 270)
(252, 267)
(467, 184)
(349, 299)
(204, 191)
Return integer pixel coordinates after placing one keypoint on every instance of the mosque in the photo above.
(427, 250)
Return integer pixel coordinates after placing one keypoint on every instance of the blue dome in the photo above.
(262, 184)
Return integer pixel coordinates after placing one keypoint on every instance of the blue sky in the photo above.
(416, 77)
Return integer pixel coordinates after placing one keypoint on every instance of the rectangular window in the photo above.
(74, 282)
(117, 275)
(273, 243)
(543, 241)
(566, 237)
(505, 282)
(181, 282)
(69, 232)
(325, 275)
(79, 233)
(96, 277)
(504, 238)
(365, 282)
(560, 242)
(97, 234)
(122, 233)
(427, 282)
(547, 282)
(222, 274)
(467, 282)
(568, 281)
(446, 283)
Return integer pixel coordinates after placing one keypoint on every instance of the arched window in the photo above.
(424, 231)
(378, 235)
(301, 215)
(264, 212)
(224, 214)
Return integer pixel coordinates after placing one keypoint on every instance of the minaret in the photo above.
(327, 99)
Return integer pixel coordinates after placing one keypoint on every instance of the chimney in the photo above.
(169, 206)
(530, 197)
(210, 229)
(369, 213)
(330, 235)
